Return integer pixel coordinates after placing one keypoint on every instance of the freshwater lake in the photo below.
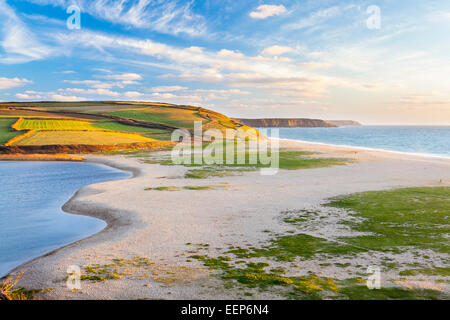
(32, 222)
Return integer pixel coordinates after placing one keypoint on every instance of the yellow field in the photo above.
(80, 137)
(53, 125)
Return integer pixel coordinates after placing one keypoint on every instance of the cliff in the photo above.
(286, 123)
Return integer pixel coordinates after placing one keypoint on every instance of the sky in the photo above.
(376, 61)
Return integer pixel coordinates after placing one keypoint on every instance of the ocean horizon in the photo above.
(419, 140)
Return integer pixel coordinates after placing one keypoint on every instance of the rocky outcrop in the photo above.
(286, 123)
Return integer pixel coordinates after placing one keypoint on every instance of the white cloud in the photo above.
(6, 83)
(316, 65)
(58, 97)
(26, 96)
(99, 91)
(132, 94)
(229, 54)
(125, 77)
(18, 42)
(170, 16)
(121, 80)
(276, 50)
(163, 95)
(266, 10)
(316, 18)
(167, 88)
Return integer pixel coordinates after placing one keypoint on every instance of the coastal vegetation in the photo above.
(9, 290)
(395, 219)
(192, 188)
(413, 220)
(211, 171)
(138, 268)
(288, 160)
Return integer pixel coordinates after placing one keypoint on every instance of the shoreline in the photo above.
(425, 155)
(122, 223)
(113, 221)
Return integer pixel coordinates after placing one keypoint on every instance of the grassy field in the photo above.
(54, 125)
(115, 126)
(157, 134)
(6, 132)
(92, 116)
(80, 137)
(175, 117)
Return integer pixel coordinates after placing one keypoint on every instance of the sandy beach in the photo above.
(162, 227)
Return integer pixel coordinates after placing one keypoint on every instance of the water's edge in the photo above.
(410, 140)
(106, 214)
(425, 155)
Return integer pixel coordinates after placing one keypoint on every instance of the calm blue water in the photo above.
(31, 196)
(410, 139)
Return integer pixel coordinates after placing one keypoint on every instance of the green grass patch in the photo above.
(115, 126)
(164, 188)
(208, 172)
(287, 248)
(8, 288)
(437, 271)
(174, 117)
(407, 217)
(288, 160)
(100, 273)
(193, 188)
(295, 160)
(412, 218)
(199, 187)
(361, 292)
(258, 275)
(117, 269)
(6, 132)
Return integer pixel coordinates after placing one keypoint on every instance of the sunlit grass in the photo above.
(54, 125)
(6, 132)
(81, 137)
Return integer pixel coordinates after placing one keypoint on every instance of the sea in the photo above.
(422, 140)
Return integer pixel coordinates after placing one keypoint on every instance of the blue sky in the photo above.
(307, 58)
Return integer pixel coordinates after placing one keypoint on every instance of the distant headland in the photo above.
(296, 123)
